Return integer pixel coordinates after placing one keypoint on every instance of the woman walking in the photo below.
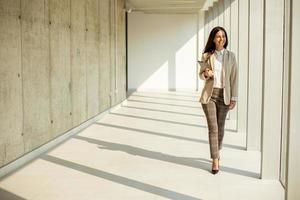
(219, 94)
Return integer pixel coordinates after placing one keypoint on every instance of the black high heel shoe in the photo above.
(214, 171)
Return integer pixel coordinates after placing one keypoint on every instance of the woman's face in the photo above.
(220, 39)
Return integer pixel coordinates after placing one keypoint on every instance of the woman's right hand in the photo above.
(208, 73)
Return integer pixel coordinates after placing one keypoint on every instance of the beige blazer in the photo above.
(229, 76)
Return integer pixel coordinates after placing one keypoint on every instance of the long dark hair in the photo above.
(210, 45)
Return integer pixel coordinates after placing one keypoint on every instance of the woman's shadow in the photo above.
(199, 163)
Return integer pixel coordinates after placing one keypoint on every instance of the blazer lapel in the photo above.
(212, 61)
(225, 66)
(225, 61)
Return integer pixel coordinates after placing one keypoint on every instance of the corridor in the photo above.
(154, 146)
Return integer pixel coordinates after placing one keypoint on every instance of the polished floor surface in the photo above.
(154, 147)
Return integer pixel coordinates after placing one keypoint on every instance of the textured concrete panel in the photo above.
(11, 113)
(35, 64)
(92, 62)
(78, 62)
(104, 80)
(60, 66)
(54, 74)
(120, 52)
(113, 51)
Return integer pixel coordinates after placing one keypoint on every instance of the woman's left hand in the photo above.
(232, 104)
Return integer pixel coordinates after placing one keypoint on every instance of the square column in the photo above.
(272, 88)
(293, 175)
(243, 66)
(255, 74)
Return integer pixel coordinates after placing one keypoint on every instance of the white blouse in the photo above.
(218, 77)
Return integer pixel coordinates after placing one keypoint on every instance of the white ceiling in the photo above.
(165, 6)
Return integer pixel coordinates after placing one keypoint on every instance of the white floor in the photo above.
(154, 147)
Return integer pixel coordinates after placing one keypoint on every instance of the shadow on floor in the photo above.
(166, 121)
(165, 111)
(5, 195)
(167, 135)
(164, 98)
(169, 194)
(189, 162)
(129, 93)
(167, 104)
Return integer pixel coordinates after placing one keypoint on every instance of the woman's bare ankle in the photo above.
(215, 163)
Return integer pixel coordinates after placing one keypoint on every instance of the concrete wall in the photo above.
(59, 62)
(120, 52)
(162, 51)
(11, 102)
